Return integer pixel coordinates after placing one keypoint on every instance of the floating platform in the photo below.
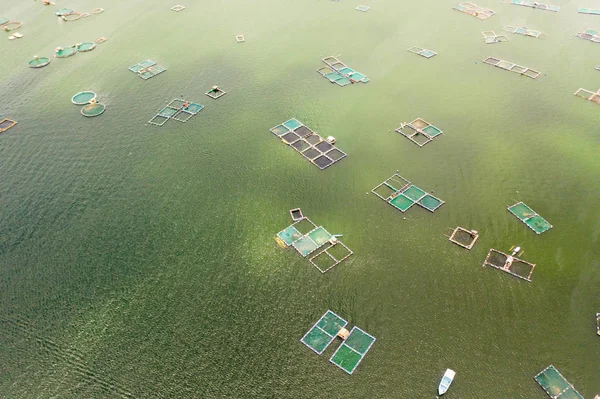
(491, 37)
(419, 131)
(177, 8)
(526, 215)
(86, 46)
(308, 143)
(39, 62)
(240, 38)
(353, 349)
(423, 52)
(6, 124)
(65, 52)
(555, 385)
(464, 238)
(84, 97)
(215, 92)
(590, 35)
(363, 8)
(522, 31)
(509, 264)
(591, 11)
(474, 10)
(93, 109)
(589, 95)
(509, 66)
(339, 73)
(401, 194)
(535, 4)
(147, 69)
(307, 238)
(178, 110)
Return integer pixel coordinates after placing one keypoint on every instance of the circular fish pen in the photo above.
(93, 109)
(11, 25)
(39, 62)
(86, 46)
(65, 52)
(83, 98)
(97, 10)
(73, 16)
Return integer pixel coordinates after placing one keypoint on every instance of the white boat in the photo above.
(446, 381)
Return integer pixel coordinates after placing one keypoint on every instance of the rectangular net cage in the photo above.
(419, 131)
(402, 195)
(526, 215)
(339, 73)
(555, 385)
(464, 238)
(6, 124)
(319, 151)
(323, 332)
(512, 67)
(147, 69)
(177, 109)
(352, 351)
(474, 10)
(509, 264)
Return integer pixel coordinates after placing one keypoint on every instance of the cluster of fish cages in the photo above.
(593, 96)
(535, 4)
(423, 52)
(320, 152)
(402, 195)
(474, 10)
(592, 11)
(522, 31)
(419, 131)
(178, 110)
(491, 37)
(509, 66)
(590, 35)
(355, 345)
(147, 69)
(339, 73)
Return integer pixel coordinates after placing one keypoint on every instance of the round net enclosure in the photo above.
(39, 62)
(84, 97)
(86, 46)
(93, 109)
(65, 52)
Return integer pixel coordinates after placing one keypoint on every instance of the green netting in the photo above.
(401, 202)
(571, 394)
(279, 130)
(289, 235)
(66, 52)
(538, 224)
(359, 340)
(359, 77)
(136, 68)
(39, 62)
(521, 211)
(147, 63)
(93, 109)
(320, 236)
(432, 131)
(194, 108)
(87, 46)
(333, 76)
(167, 112)
(331, 323)
(64, 11)
(317, 340)
(430, 202)
(292, 124)
(305, 246)
(552, 381)
(83, 97)
(414, 193)
(346, 359)
(146, 75)
(346, 71)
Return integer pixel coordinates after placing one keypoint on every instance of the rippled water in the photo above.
(138, 261)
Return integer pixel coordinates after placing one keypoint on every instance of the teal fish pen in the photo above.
(526, 215)
(147, 69)
(591, 11)
(402, 195)
(60, 52)
(555, 385)
(84, 97)
(355, 345)
(419, 131)
(39, 62)
(339, 73)
(423, 52)
(178, 109)
(93, 109)
(86, 46)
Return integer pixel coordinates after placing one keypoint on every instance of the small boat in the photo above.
(446, 381)
(598, 323)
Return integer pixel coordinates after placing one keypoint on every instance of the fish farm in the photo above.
(419, 131)
(474, 10)
(491, 37)
(522, 31)
(147, 69)
(555, 385)
(509, 66)
(402, 195)
(320, 152)
(6, 124)
(337, 72)
(178, 110)
(592, 11)
(423, 52)
(307, 239)
(535, 4)
(526, 215)
(509, 264)
(355, 345)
